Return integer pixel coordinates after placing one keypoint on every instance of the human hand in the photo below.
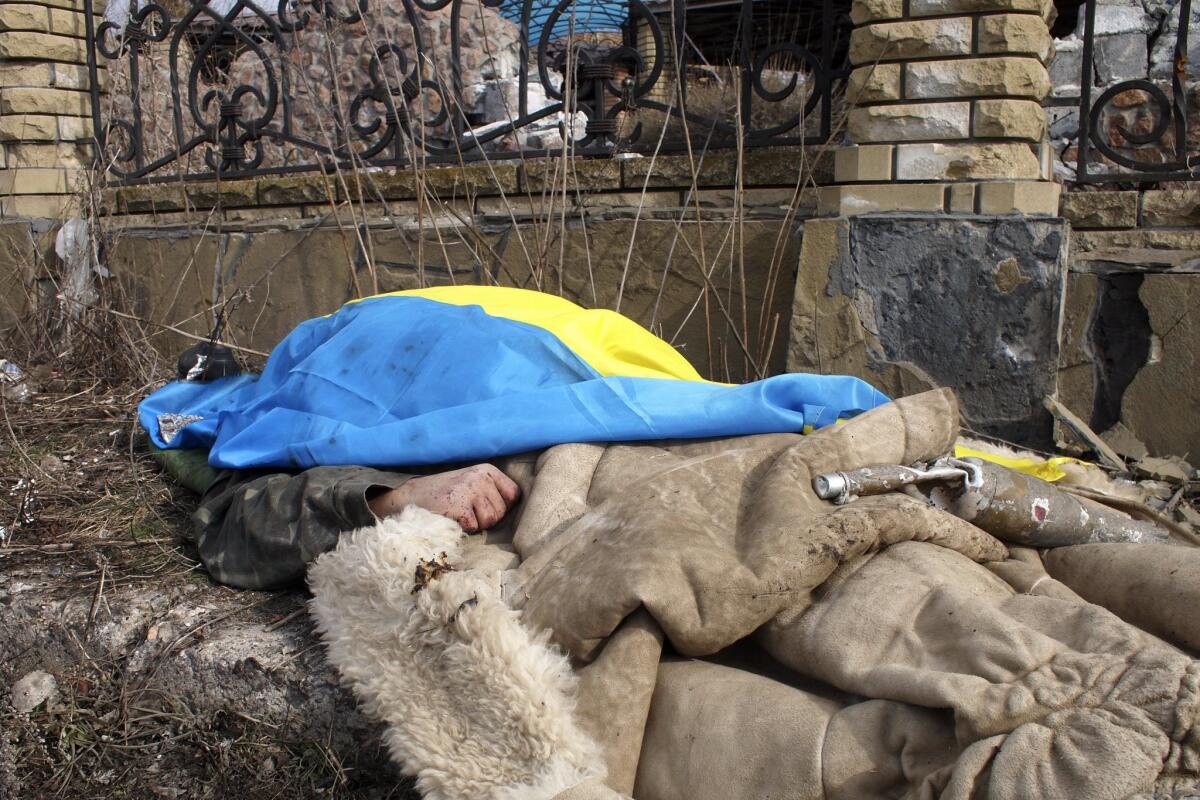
(476, 497)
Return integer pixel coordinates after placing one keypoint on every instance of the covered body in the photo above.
(734, 636)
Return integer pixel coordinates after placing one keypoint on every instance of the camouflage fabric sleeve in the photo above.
(259, 530)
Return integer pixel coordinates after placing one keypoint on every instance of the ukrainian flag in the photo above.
(465, 373)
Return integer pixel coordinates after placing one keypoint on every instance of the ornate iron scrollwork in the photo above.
(235, 84)
(1159, 152)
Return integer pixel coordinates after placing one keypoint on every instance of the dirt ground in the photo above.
(167, 685)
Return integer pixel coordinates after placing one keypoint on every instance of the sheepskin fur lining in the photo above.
(476, 706)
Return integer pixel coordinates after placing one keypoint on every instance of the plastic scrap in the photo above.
(78, 253)
(1049, 469)
(13, 385)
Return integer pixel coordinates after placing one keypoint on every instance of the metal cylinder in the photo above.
(1022, 509)
(843, 487)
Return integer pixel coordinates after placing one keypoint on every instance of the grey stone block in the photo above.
(970, 303)
(1115, 17)
(1162, 47)
(1121, 57)
(1062, 123)
(1067, 67)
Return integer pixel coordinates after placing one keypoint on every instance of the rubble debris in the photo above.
(33, 689)
(1081, 429)
(1124, 442)
(51, 464)
(1190, 515)
(1170, 468)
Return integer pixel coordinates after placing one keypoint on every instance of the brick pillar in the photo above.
(945, 111)
(45, 108)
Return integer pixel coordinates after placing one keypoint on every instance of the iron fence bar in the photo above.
(824, 85)
(746, 55)
(1087, 70)
(1178, 73)
(89, 23)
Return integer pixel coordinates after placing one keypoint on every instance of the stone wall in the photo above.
(26, 246)
(326, 64)
(930, 252)
(1131, 337)
(45, 106)
(629, 234)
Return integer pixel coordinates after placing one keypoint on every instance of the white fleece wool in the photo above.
(476, 706)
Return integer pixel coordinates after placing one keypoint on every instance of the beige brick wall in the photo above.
(945, 103)
(1149, 210)
(45, 106)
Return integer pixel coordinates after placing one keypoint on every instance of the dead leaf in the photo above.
(429, 571)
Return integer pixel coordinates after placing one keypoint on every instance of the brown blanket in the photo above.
(734, 636)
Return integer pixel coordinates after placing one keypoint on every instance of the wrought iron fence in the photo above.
(1143, 129)
(232, 88)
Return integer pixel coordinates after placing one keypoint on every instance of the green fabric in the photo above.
(258, 529)
(189, 468)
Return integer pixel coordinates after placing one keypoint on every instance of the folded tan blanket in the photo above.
(733, 636)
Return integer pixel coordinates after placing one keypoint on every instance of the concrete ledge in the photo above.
(580, 175)
(995, 198)
(1136, 250)
(761, 168)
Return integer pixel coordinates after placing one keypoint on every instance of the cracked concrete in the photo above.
(1131, 339)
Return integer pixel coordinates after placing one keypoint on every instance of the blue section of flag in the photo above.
(405, 381)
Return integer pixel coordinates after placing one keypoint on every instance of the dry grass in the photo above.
(88, 516)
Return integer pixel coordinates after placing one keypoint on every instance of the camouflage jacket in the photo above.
(258, 529)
